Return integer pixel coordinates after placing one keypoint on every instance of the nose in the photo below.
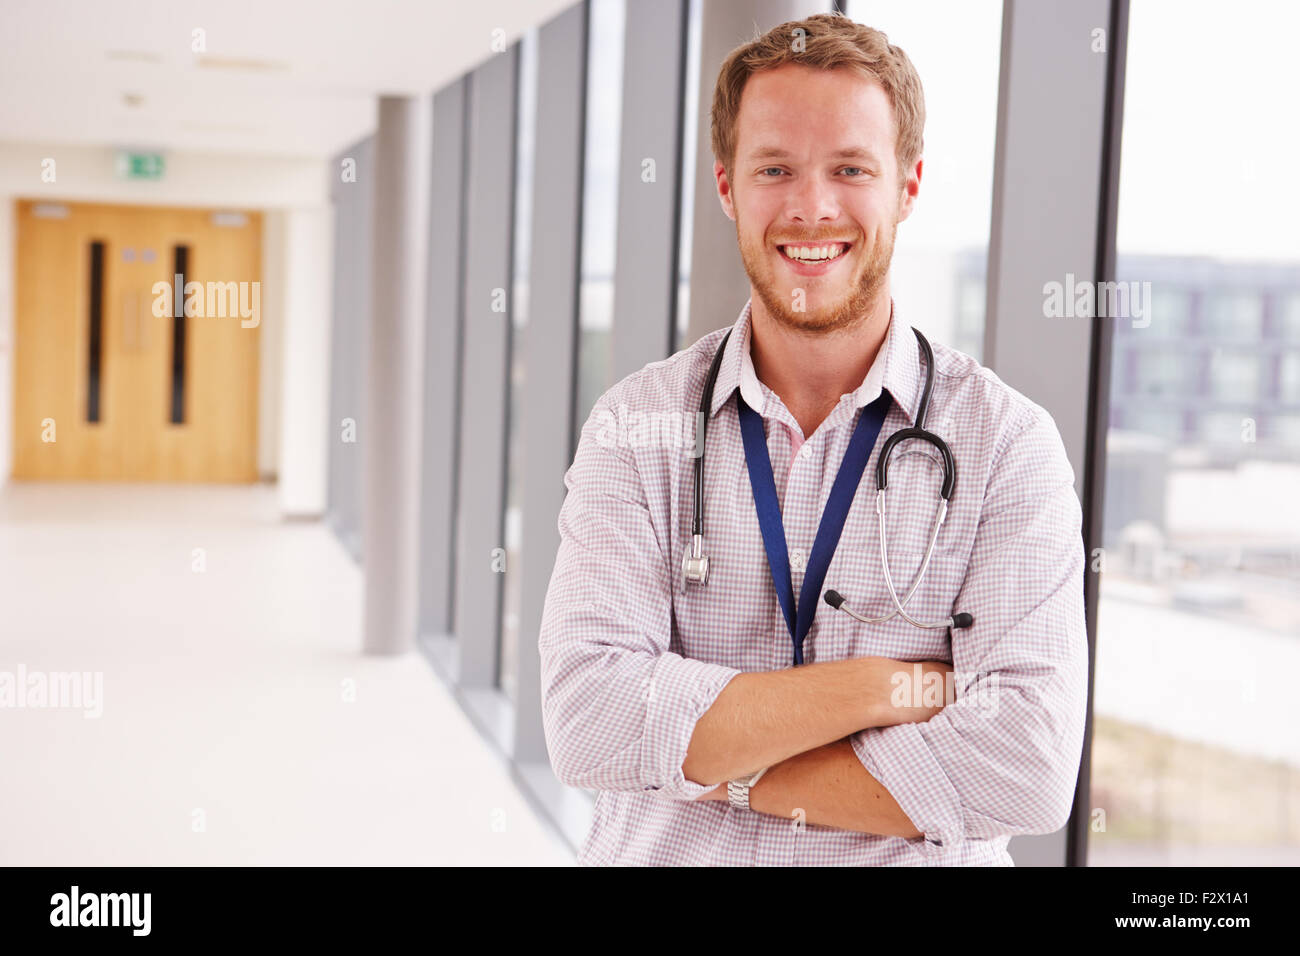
(812, 202)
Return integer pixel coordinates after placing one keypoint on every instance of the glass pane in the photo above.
(95, 347)
(525, 139)
(599, 207)
(180, 269)
(690, 142)
(1195, 755)
(938, 274)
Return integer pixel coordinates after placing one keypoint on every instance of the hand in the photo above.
(717, 793)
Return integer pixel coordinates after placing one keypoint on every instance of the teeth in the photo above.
(816, 253)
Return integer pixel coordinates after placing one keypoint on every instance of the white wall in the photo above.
(190, 179)
(7, 292)
(294, 195)
(274, 306)
(305, 385)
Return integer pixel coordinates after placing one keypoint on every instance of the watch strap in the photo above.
(738, 790)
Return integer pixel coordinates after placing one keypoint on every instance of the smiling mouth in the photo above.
(807, 254)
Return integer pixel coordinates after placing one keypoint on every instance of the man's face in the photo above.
(815, 167)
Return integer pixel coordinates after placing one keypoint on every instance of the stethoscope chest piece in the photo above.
(695, 565)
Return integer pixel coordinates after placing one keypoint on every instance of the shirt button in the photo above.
(805, 451)
(797, 559)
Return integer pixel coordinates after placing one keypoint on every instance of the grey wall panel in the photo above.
(1046, 189)
(719, 285)
(550, 339)
(645, 268)
(485, 362)
(353, 204)
(442, 380)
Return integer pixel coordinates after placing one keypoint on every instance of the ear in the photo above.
(724, 189)
(911, 186)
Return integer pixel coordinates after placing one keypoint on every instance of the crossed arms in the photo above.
(795, 722)
(623, 712)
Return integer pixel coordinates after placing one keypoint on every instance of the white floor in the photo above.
(225, 736)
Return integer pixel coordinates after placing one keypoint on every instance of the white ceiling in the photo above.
(277, 77)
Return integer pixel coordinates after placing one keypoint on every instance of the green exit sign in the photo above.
(139, 165)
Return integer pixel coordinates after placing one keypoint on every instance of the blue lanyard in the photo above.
(833, 518)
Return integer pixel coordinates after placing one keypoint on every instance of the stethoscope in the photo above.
(695, 565)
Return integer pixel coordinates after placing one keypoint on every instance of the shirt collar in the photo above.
(896, 368)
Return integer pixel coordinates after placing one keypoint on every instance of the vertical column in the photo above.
(391, 447)
(719, 286)
(353, 171)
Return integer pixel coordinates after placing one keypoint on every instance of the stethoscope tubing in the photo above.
(695, 565)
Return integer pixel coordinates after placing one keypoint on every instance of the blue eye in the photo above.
(858, 168)
(778, 168)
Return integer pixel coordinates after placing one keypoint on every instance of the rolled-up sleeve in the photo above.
(618, 707)
(1003, 759)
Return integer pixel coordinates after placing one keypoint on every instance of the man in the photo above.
(658, 692)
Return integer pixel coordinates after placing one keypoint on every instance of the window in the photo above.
(1289, 378)
(1155, 421)
(1162, 374)
(1234, 315)
(180, 267)
(524, 155)
(938, 274)
(1195, 759)
(95, 345)
(690, 143)
(1289, 318)
(1286, 430)
(1171, 312)
(599, 207)
(1235, 375)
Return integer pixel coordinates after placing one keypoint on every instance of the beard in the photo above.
(842, 314)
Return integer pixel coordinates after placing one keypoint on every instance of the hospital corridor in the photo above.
(646, 433)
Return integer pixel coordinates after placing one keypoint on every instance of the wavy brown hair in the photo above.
(825, 41)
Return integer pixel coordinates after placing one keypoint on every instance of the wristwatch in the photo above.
(738, 789)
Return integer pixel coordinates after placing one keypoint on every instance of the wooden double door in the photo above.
(114, 380)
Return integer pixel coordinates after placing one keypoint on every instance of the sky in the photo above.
(1211, 138)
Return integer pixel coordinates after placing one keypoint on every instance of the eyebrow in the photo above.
(848, 152)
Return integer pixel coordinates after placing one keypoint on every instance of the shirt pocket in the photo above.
(856, 574)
